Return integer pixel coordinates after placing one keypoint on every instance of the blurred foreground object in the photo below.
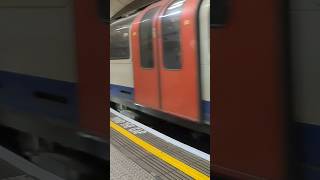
(53, 74)
(266, 102)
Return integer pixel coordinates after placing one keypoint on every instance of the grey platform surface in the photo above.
(158, 168)
(123, 168)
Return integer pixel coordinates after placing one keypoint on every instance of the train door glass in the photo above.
(146, 41)
(171, 35)
(144, 58)
(179, 70)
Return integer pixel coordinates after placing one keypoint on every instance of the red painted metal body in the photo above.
(146, 80)
(248, 139)
(173, 91)
(180, 89)
(93, 68)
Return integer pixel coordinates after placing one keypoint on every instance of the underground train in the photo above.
(160, 61)
(52, 72)
(265, 69)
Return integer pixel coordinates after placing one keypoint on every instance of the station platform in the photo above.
(139, 152)
(14, 167)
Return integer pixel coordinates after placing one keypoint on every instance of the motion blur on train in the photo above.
(160, 62)
(53, 100)
(265, 59)
(266, 102)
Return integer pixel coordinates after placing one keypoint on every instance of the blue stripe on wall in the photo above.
(17, 91)
(128, 94)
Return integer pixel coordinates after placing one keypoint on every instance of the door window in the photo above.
(171, 35)
(145, 34)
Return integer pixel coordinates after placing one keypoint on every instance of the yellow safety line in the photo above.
(160, 154)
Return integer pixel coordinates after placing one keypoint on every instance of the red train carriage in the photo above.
(159, 67)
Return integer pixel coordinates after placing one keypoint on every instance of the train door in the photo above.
(144, 57)
(178, 57)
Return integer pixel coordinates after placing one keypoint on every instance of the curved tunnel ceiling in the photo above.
(117, 5)
(120, 7)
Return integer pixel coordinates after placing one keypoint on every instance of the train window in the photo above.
(145, 33)
(119, 39)
(171, 35)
